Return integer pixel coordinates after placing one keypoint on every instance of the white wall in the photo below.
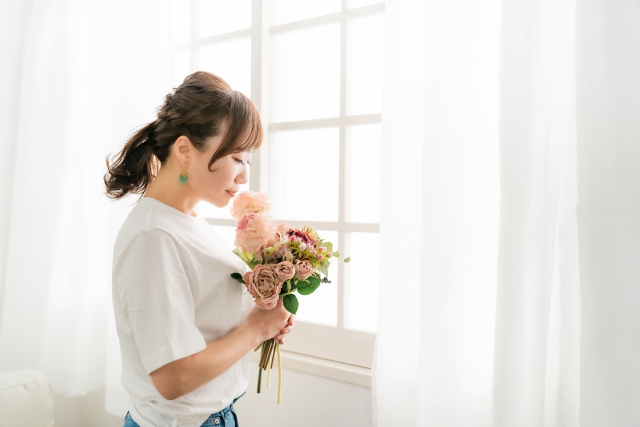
(307, 401)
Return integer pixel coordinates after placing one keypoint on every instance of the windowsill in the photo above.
(323, 368)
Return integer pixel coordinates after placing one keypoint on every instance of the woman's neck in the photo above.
(171, 192)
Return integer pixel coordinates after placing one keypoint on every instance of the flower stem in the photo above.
(268, 377)
(273, 355)
(279, 372)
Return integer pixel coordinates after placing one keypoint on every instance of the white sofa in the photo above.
(25, 399)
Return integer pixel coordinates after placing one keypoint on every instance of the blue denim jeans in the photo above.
(226, 417)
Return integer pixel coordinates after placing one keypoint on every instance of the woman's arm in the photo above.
(184, 375)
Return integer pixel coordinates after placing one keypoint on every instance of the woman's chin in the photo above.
(219, 203)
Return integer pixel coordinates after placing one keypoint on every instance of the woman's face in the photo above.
(228, 174)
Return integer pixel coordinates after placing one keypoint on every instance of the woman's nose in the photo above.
(241, 178)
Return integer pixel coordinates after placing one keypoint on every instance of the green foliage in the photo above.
(242, 255)
(308, 286)
(238, 277)
(287, 287)
(275, 248)
(246, 257)
(347, 259)
(315, 281)
(290, 303)
(324, 269)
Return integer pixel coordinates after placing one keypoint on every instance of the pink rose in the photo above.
(263, 284)
(303, 269)
(285, 270)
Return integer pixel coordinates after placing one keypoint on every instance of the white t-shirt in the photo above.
(172, 293)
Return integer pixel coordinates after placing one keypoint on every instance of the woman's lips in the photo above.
(231, 193)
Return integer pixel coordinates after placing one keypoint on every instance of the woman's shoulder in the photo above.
(149, 225)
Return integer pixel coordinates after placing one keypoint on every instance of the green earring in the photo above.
(183, 177)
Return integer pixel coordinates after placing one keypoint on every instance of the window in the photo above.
(314, 70)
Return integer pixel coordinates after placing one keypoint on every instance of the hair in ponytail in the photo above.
(196, 109)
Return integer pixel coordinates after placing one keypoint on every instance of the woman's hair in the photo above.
(196, 109)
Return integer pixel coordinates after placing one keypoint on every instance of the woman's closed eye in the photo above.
(241, 162)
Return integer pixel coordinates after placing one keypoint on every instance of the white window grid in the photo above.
(334, 343)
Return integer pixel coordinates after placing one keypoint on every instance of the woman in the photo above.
(185, 326)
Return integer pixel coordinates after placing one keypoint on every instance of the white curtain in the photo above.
(78, 75)
(511, 228)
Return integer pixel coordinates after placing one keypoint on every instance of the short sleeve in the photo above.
(157, 300)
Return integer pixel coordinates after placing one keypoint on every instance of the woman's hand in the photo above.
(268, 323)
(290, 323)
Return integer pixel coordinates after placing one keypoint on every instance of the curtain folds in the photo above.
(510, 222)
(508, 128)
(71, 92)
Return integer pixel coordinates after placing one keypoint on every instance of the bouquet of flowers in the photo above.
(283, 259)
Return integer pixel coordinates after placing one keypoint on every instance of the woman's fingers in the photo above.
(283, 333)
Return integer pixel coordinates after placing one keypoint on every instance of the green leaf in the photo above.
(238, 277)
(246, 257)
(347, 259)
(315, 281)
(336, 254)
(287, 287)
(291, 303)
(309, 287)
(324, 268)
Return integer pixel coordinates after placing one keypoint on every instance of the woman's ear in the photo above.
(182, 150)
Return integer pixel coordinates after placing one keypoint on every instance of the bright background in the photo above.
(480, 161)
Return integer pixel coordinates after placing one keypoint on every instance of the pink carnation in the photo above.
(253, 231)
(249, 201)
(283, 228)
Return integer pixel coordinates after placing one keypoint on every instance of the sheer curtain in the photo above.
(511, 228)
(78, 75)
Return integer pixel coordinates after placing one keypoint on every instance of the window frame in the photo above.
(331, 351)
